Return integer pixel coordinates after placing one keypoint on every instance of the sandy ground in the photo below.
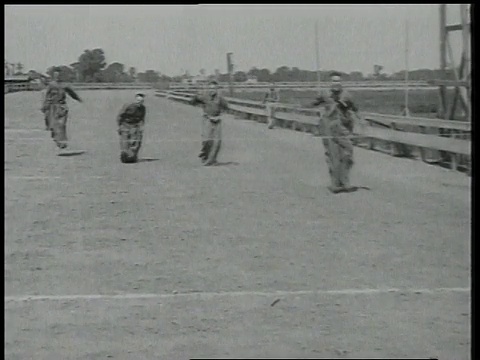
(190, 260)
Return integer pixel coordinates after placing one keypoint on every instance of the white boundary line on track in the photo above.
(26, 298)
(24, 130)
(27, 177)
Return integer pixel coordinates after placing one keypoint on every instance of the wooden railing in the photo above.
(371, 85)
(401, 133)
(10, 88)
(111, 86)
(80, 86)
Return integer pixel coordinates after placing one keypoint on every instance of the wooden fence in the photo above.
(370, 85)
(402, 134)
(9, 88)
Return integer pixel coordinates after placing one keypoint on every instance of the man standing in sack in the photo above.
(56, 110)
(213, 106)
(131, 122)
(338, 121)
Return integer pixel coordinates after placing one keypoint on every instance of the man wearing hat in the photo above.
(131, 121)
(337, 121)
(213, 106)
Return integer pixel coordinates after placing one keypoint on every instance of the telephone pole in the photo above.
(407, 110)
(317, 55)
(230, 73)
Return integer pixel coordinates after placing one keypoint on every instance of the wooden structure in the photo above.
(230, 73)
(462, 82)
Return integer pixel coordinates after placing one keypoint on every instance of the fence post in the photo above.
(393, 145)
(453, 156)
(423, 153)
(371, 141)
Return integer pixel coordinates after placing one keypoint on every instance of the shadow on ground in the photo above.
(72, 153)
(226, 163)
(147, 160)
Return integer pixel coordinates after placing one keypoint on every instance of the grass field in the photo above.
(421, 102)
(166, 259)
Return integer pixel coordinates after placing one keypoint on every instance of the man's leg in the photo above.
(59, 116)
(216, 142)
(125, 151)
(47, 125)
(135, 142)
(346, 158)
(270, 117)
(331, 157)
(205, 144)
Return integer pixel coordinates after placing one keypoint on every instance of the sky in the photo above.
(172, 39)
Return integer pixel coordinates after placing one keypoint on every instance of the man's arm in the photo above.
(196, 100)
(144, 114)
(320, 99)
(44, 100)
(46, 96)
(265, 98)
(224, 104)
(121, 114)
(349, 103)
(72, 93)
(277, 96)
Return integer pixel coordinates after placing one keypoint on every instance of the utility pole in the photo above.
(407, 110)
(317, 55)
(230, 73)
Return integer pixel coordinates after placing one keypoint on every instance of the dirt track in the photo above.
(214, 245)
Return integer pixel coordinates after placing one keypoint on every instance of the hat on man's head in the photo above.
(140, 94)
(213, 82)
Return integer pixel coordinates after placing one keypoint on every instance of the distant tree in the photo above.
(264, 75)
(113, 73)
(281, 74)
(377, 70)
(132, 72)
(19, 67)
(149, 76)
(76, 68)
(223, 77)
(124, 78)
(32, 74)
(9, 68)
(91, 62)
(65, 73)
(356, 76)
(239, 76)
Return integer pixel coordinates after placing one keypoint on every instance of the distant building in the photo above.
(17, 79)
(251, 79)
(12, 82)
(195, 80)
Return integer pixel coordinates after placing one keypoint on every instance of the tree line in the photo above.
(91, 66)
(294, 74)
(13, 68)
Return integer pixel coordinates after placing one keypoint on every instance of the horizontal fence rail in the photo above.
(450, 138)
(9, 88)
(310, 85)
